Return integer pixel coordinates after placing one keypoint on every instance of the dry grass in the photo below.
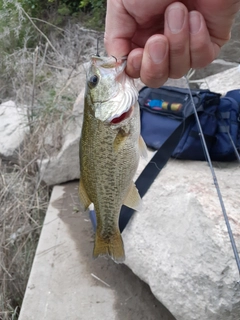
(45, 82)
(23, 205)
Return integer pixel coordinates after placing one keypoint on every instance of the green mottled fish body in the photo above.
(109, 150)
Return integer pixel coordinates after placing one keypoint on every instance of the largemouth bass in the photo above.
(110, 147)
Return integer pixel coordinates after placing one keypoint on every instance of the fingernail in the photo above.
(175, 19)
(195, 22)
(157, 51)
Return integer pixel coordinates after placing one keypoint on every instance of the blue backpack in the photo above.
(167, 109)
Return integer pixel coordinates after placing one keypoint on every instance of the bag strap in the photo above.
(153, 168)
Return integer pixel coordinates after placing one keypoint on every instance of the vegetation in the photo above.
(41, 70)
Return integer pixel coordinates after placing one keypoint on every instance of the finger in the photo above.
(177, 31)
(202, 50)
(134, 63)
(119, 29)
(154, 67)
(219, 16)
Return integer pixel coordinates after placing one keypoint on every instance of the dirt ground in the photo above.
(134, 300)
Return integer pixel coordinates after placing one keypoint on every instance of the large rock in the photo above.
(216, 66)
(13, 129)
(230, 51)
(178, 243)
(223, 81)
(63, 165)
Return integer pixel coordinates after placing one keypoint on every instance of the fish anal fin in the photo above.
(84, 199)
(111, 246)
(133, 199)
(143, 148)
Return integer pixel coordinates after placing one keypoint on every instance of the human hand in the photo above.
(163, 38)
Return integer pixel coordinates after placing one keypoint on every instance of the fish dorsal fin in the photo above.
(142, 148)
(133, 199)
(84, 199)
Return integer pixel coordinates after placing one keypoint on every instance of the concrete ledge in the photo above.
(63, 283)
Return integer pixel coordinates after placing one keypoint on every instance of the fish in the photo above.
(110, 147)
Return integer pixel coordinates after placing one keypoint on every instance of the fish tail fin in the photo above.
(111, 246)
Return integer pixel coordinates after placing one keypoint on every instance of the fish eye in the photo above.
(93, 81)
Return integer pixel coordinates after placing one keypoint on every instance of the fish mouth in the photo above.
(123, 116)
(110, 61)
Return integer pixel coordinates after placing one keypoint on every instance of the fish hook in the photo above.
(97, 48)
(115, 58)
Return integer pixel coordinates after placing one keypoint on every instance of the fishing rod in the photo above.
(234, 247)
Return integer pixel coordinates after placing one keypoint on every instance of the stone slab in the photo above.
(62, 286)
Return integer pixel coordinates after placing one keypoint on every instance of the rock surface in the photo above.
(223, 81)
(13, 129)
(230, 51)
(216, 66)
(64, 165)
(178, 243)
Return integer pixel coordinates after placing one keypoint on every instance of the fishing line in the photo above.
(234, 247)
(234, 147)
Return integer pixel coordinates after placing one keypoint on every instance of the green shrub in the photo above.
(97, 11)
(14, 26)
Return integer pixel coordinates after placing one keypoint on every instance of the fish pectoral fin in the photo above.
(111, 246)
(84, 199)
(133, 199)
(143, 148)
(120, 139)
